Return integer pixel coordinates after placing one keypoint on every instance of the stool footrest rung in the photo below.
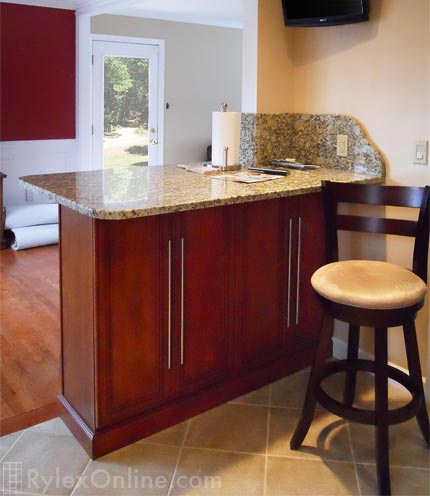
(361, 415)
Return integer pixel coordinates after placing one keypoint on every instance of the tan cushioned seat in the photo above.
(369, 284)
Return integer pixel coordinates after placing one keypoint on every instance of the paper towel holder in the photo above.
(224, 167)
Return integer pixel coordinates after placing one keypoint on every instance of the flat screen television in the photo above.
(324, 12)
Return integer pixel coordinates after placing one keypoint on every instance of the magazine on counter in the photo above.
(198, 168)
(247, 177)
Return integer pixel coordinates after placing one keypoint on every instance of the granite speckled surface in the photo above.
(310, 139)
(131, 192)
(247, 139)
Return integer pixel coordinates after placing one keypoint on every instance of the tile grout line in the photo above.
(12, 445)
(408, 467)
(218, 450)
(172, 482)
(269, 411)
(354, 462)
(202, 448)
(154, 443)
(262, 405)
(29, 429)
(79, 478)
(243, 403)
(317, 458)
(304, 458)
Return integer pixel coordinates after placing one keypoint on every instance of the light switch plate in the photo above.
(421, 152)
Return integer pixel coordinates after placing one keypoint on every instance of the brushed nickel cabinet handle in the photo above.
(299, 248)
(182, 297)
(169, 306)
(289, 273)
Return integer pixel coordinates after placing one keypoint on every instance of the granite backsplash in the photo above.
(310, 139)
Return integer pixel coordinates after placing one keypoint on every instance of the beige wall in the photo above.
(275, 68)
(203, 68)
(377, 72)
(250, 57)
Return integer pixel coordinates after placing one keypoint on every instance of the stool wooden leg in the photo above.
(414, 366)
(351, 376)
(310, 400)
(381, 409)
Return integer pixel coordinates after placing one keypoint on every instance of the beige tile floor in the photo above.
(239, 448)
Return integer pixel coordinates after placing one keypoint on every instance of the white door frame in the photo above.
(84, 70)
(150, 51)
(84, 103)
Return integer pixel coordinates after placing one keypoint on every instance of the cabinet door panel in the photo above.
(262, 274)
(134, 371)
(309, 245)
(201, 298)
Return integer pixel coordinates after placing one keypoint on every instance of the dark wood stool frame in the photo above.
(380, 320)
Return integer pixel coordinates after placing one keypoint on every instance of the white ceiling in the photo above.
(227, 13)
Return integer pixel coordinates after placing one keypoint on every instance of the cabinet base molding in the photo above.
(102, 442)
(76, 425)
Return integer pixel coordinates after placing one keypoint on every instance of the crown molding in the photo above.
(94, 7)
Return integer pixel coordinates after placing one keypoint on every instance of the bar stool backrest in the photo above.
(370, 194)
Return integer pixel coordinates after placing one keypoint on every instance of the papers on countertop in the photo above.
(247, 177)
(198, 168)
(237, 177)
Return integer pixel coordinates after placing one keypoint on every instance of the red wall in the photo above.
(37, 73)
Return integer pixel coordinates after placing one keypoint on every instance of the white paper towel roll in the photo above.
(225, 132)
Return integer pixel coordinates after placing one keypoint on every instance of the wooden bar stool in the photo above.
(373, 294)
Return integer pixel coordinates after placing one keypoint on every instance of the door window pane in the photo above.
(126, 97)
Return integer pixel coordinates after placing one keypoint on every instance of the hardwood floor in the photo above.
(30, 336)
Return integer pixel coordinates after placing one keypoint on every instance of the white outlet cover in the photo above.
(342, 145)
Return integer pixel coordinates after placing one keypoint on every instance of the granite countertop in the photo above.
(136, 191)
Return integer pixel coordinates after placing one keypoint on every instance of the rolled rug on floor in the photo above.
(31, 215)
(22, 238)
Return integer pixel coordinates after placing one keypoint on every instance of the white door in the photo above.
(126, 105)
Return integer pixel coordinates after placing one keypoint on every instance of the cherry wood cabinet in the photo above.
(132, 321)
(164, 317)
(202, 339)
(280, 245)
(164, 289)
(261, 271)
(307, 253)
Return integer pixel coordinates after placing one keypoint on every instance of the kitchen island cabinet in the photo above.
(131, 359)
(261, 270)
(170, 310)
(161, 309)
(307, 228)
(202, 329)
